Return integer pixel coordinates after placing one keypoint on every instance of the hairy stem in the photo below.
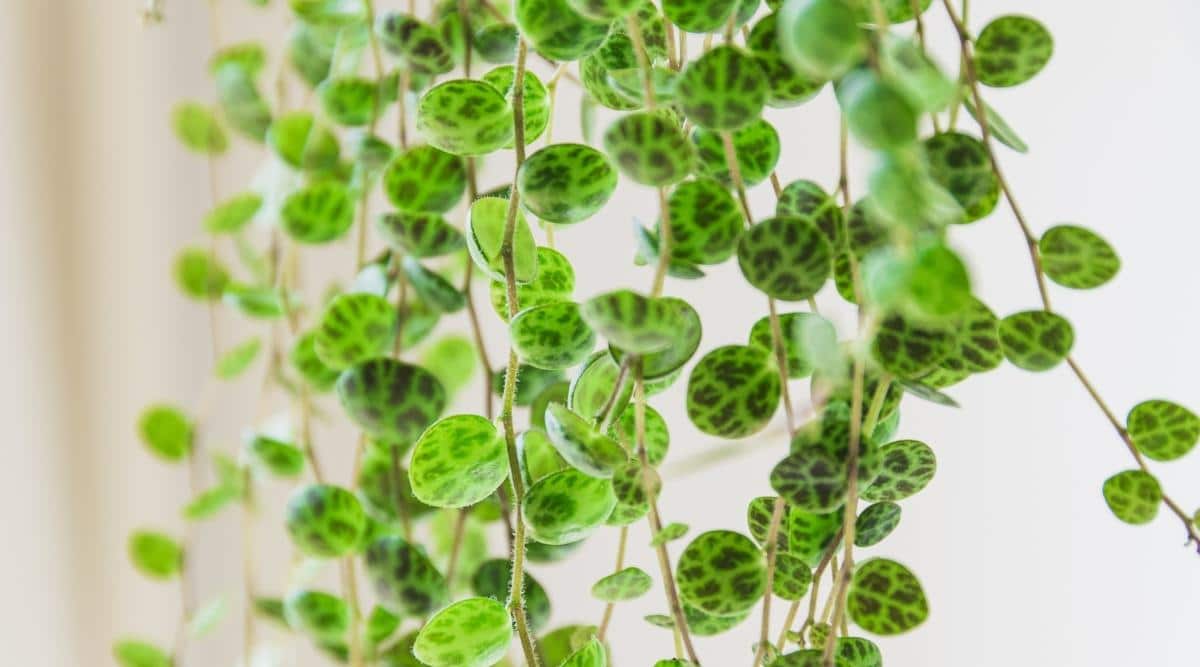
(516, 599)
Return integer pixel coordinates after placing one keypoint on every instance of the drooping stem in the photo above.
(1031, 241)
(655, 519)
(360, 254)
(516, 600)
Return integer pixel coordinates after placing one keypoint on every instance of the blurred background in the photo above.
(1021, 560)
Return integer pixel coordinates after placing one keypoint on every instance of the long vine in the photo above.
(681, 98)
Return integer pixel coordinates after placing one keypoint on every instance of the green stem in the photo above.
(516, 601)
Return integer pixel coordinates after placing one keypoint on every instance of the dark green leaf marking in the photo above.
(354, 328)
(809, 534)
(566, 183)
(1077, 257)
(417, 44)
(724, 89)
(1036, 340)
(807, 337)
(1012, 50)
(733, 391)
(657, 437)
(792, 577)
(305, 360)
(632, 322)
(433, 289)
(885, 598)
(629, 485)
(909, 349)
(554, 282)
(325, 521)
(721, 573)
(811, 480)
(198, 129)
(1133, 496)
(699, 16)
(787, 86)
(807, 200)
(687, 333)
(390, 399)
(787, 258)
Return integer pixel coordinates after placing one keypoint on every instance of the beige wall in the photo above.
(1013, 542)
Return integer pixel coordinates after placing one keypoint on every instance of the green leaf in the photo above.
(875, 523)
(806, 337)
(809, 534)
(404, 578)
(458, 461)
(325, 521)
(465, 117)
(1162, 430)
(788, 86)
(723, 89)
(581, 445)
(960, 164)
(381, 624)
(416, 43)
(878, 114)
(552, 336)
(591, 654)
(198, 129)
(554, 281)
(485, 237)
(207, 503)
(630, 481)
(238, 358)
(909, 349)
(1133, 496)
(425, 179)
(1036, 340)
(354, 328)
(706, 222)
(322, 616)
(135, 653)
(474, 632)
(493, 580)
(1012, 50)
(155, 555)
(166, 431)
(595, 382)
(885, 598)
(279, 458)
(1077, 257)
(686, 334)
(657, 437)
(538, 455)
(318, 213)
(721, 573)
(305, 360)
(755, 147)
(452, 359)
(199, 275)
(697, 16)
(233, 214)
(536, 102)
(792, 577)
(1000, 129)
(703, 624)
(205, 619)
(812, 480)
(567, 506)
(431, 287)
(556, 30)
(303, 144)
(733, 391)
(650, 148)
(350, 100)
(328, 12)
(907, 466)
(786, 258)
(670, 532)
(566, 183)
(821, 38)
(632, 322)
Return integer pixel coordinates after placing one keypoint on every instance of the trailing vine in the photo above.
(674, 95)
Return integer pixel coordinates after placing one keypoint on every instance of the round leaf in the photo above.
(1036, 340)
(1133, 496)
(318, 213)
(907, 466)
(626, 584)
(581, 444)
(756, 147)
(876, 523)
(786, 258)
(721, 573)
(470, 633)
(1162, 430)
(166, 431)
(1077, 257)
(485, 238)
(465, 117)
(724, 89)
(566, 183)
(458, 461)
(885, 598)
(404, 578)
(650, 148)
(1012, 50)
(425, 179)
(553, 336)
(325, 521)
(733, 391)
(705, 222)
(155, 555)
(390, 399)
(567, 506)
(355, 327)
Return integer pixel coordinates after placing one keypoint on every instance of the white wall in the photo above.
(1022, 562)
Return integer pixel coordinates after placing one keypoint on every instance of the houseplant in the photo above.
(574, 445)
